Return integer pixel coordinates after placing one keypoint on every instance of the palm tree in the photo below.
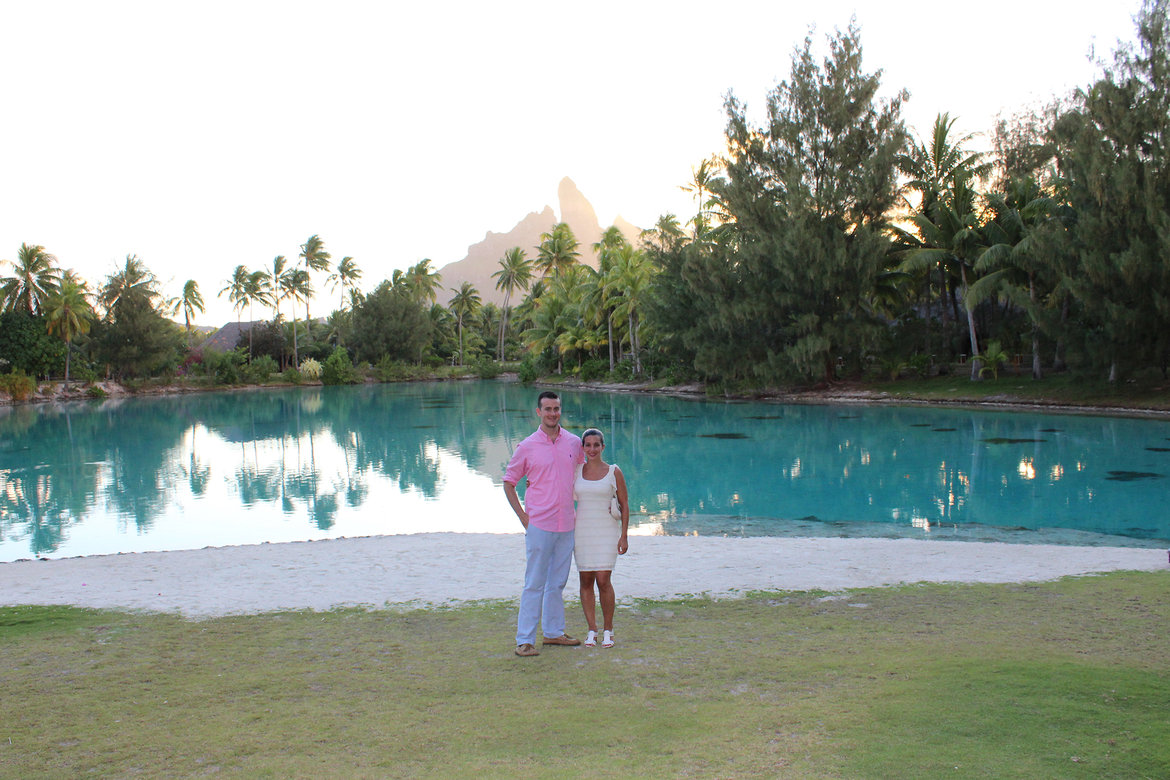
(515, 274)
(191, 301)
(295, 284)
(465, 303)
(133, 283)
(579, 338)
(666, 234)
(422, 282)
(557, 250)
(600, 296)
(316, 259)
(68, 314)
(345, 277)
(702, 178)
(279, 264)
(631, 280)
(237, 291)
(34, 278)
(1015, 258)
(256, 291)
(934, 170)
(550, 318)
(951, 238)
(69, 275)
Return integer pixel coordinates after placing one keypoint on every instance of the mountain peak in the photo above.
(483, 258)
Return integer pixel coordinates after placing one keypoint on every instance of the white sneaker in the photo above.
(591, 639)
(606, 639)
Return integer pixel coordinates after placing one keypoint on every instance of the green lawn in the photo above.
(1149, 391)
(1063, 680)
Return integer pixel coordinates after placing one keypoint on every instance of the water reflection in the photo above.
(247, 467)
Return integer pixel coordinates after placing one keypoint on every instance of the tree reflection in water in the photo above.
(243, 467)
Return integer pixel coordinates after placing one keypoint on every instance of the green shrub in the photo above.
(624, 370)
(391, 370)
(594, 368)
(338, 370)
(293, 376)
(82, 372)
(223, 368)
(18, 385)
(530, 369)
(260, 369)
(486, 368)
(994, 357)
(310, 369)
(919, 364)
(96, 391)
(25, 345)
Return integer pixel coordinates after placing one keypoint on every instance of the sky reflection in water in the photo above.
(286, 465)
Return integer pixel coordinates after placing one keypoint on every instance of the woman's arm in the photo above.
(624, 501)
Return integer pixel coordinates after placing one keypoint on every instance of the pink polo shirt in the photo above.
(550, 467)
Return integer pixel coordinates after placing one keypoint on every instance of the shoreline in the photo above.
(845, 394)
(853, 395)
(452, 569)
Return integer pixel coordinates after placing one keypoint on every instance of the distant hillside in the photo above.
(483, 259)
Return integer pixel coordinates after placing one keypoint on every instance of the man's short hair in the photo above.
(546, 394)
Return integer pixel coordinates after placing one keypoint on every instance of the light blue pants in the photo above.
(542, 601)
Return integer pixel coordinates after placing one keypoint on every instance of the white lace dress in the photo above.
(597, 532)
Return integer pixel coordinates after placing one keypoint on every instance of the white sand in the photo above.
(449, 568)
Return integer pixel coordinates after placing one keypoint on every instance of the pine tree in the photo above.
(805, 199)
(1115, 156)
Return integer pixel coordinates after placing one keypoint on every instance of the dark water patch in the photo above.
(848, 416)
(942, 430)
(424, 426)
(1158, 449)
(920, 425)
(1051, 430)
(724, 436)
(1131, 476)
(765, 417)
(1007, 440)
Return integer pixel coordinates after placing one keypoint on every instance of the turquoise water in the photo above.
(268, 466)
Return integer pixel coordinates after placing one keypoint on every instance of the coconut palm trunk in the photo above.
(976, 363)
(609, 337)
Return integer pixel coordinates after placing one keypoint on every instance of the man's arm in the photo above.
(514, 500)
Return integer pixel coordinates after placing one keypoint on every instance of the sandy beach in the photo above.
(450, 568)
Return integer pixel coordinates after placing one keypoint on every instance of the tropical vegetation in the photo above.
(828, 242)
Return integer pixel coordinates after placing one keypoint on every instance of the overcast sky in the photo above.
(200, 136)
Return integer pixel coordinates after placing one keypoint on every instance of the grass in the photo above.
(1067, 679)
(1148, 391)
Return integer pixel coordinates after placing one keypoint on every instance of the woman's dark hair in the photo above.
(593, 432)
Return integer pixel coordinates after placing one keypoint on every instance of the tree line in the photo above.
(827, 242)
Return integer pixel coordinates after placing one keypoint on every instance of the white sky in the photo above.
(204, 135)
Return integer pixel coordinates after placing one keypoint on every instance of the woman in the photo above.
(600, 537)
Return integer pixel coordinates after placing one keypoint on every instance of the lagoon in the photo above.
(247, 467)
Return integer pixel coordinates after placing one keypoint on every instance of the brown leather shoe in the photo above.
(563, 639)
(526, 650)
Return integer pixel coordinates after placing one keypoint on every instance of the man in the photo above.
(549, 459)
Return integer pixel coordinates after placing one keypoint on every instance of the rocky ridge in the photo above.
(483, 258)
